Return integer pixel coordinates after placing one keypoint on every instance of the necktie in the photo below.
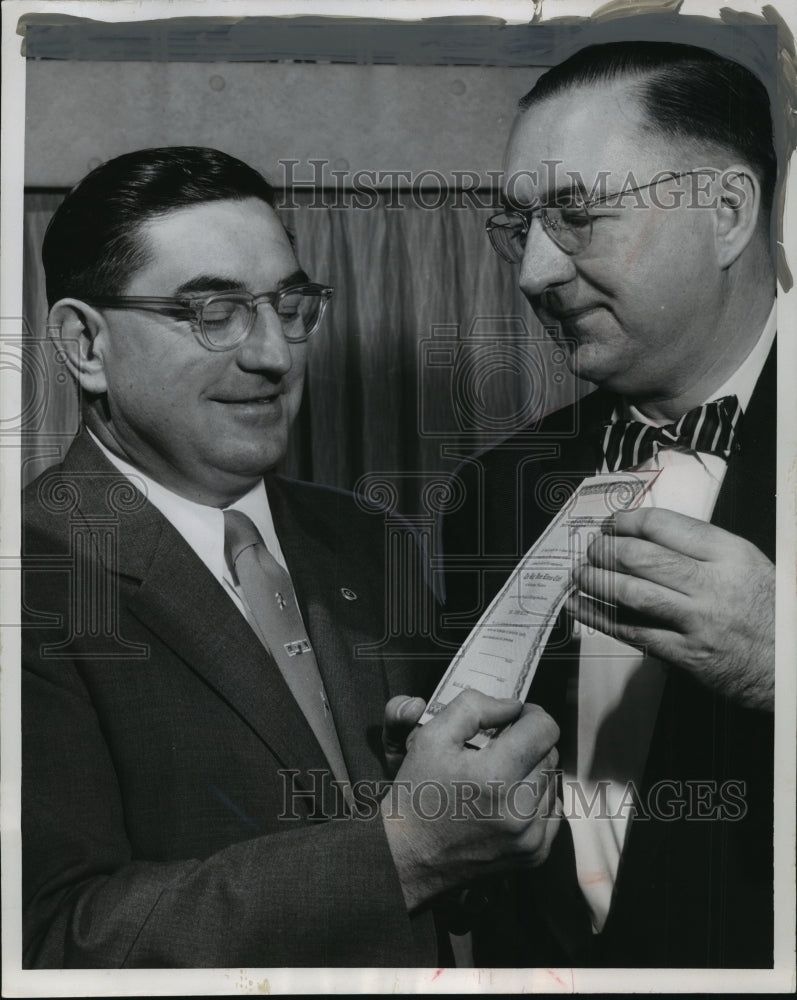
(708, 428)
(275, 617)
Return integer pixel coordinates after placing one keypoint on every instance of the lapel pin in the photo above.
(348, 594)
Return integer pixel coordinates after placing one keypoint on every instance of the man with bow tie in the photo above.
(205, 661)
(639, 182)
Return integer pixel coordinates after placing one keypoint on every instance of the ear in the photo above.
(81, 333)
(738, 204)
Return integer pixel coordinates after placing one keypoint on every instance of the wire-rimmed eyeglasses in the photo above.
(569, 224)
(223, 320)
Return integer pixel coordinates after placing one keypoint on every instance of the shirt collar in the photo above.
(740, 384)
(202, 526)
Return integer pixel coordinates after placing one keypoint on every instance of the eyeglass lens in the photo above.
(227, 319)
(570, 227)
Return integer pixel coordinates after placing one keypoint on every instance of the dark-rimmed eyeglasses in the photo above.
(568, 224)
(223, 320)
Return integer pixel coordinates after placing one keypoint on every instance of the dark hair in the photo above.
(685, 92)
(91, 247)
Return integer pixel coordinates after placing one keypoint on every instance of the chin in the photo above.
(591, 363)
(251, 464)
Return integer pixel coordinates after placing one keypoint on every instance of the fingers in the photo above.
(528, 744)
(631, 593)
(642, 560)
(549, 830)
(532, 810)
(661, 642)
(511, 755)
(471, 711)
(506, 794)
(673, 531)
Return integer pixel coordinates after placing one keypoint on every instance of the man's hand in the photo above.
(688, 593)
(401, 716)
(455, 814)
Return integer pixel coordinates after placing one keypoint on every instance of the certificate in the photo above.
(500, 656)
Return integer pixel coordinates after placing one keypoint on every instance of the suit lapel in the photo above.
(191, 613)
(166, 586)
(746, 503)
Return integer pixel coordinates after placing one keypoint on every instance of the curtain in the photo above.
(49, 418)
(427, 351)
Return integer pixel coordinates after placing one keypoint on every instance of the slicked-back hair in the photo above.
(92, 246)
(685, 92)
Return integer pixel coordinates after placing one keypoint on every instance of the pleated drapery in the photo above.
(428, 349)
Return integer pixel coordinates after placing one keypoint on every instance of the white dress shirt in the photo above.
(201, 526)
(619, 689)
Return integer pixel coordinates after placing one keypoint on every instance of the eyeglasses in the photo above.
(569, 225)
(223, 320)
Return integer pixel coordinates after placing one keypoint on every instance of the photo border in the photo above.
(18, 982)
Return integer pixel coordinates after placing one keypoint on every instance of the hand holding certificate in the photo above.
(501, 654)
(506, 796)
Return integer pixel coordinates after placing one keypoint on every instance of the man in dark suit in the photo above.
(204, 782)
(639, 182)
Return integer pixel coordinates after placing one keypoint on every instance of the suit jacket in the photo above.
(176, 803)
(690, 891)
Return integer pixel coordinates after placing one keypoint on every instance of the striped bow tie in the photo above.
(708, 428)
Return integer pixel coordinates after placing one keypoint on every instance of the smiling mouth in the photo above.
(568, 315)
(273, 397)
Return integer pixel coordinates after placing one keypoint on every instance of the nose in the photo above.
(544, 264)
(265, 348)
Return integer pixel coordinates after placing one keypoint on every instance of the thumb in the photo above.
(401, 714)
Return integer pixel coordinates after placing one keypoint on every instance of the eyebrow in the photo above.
(218, 283)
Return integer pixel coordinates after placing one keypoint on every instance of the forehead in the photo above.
(590, 131)
(240, 240)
